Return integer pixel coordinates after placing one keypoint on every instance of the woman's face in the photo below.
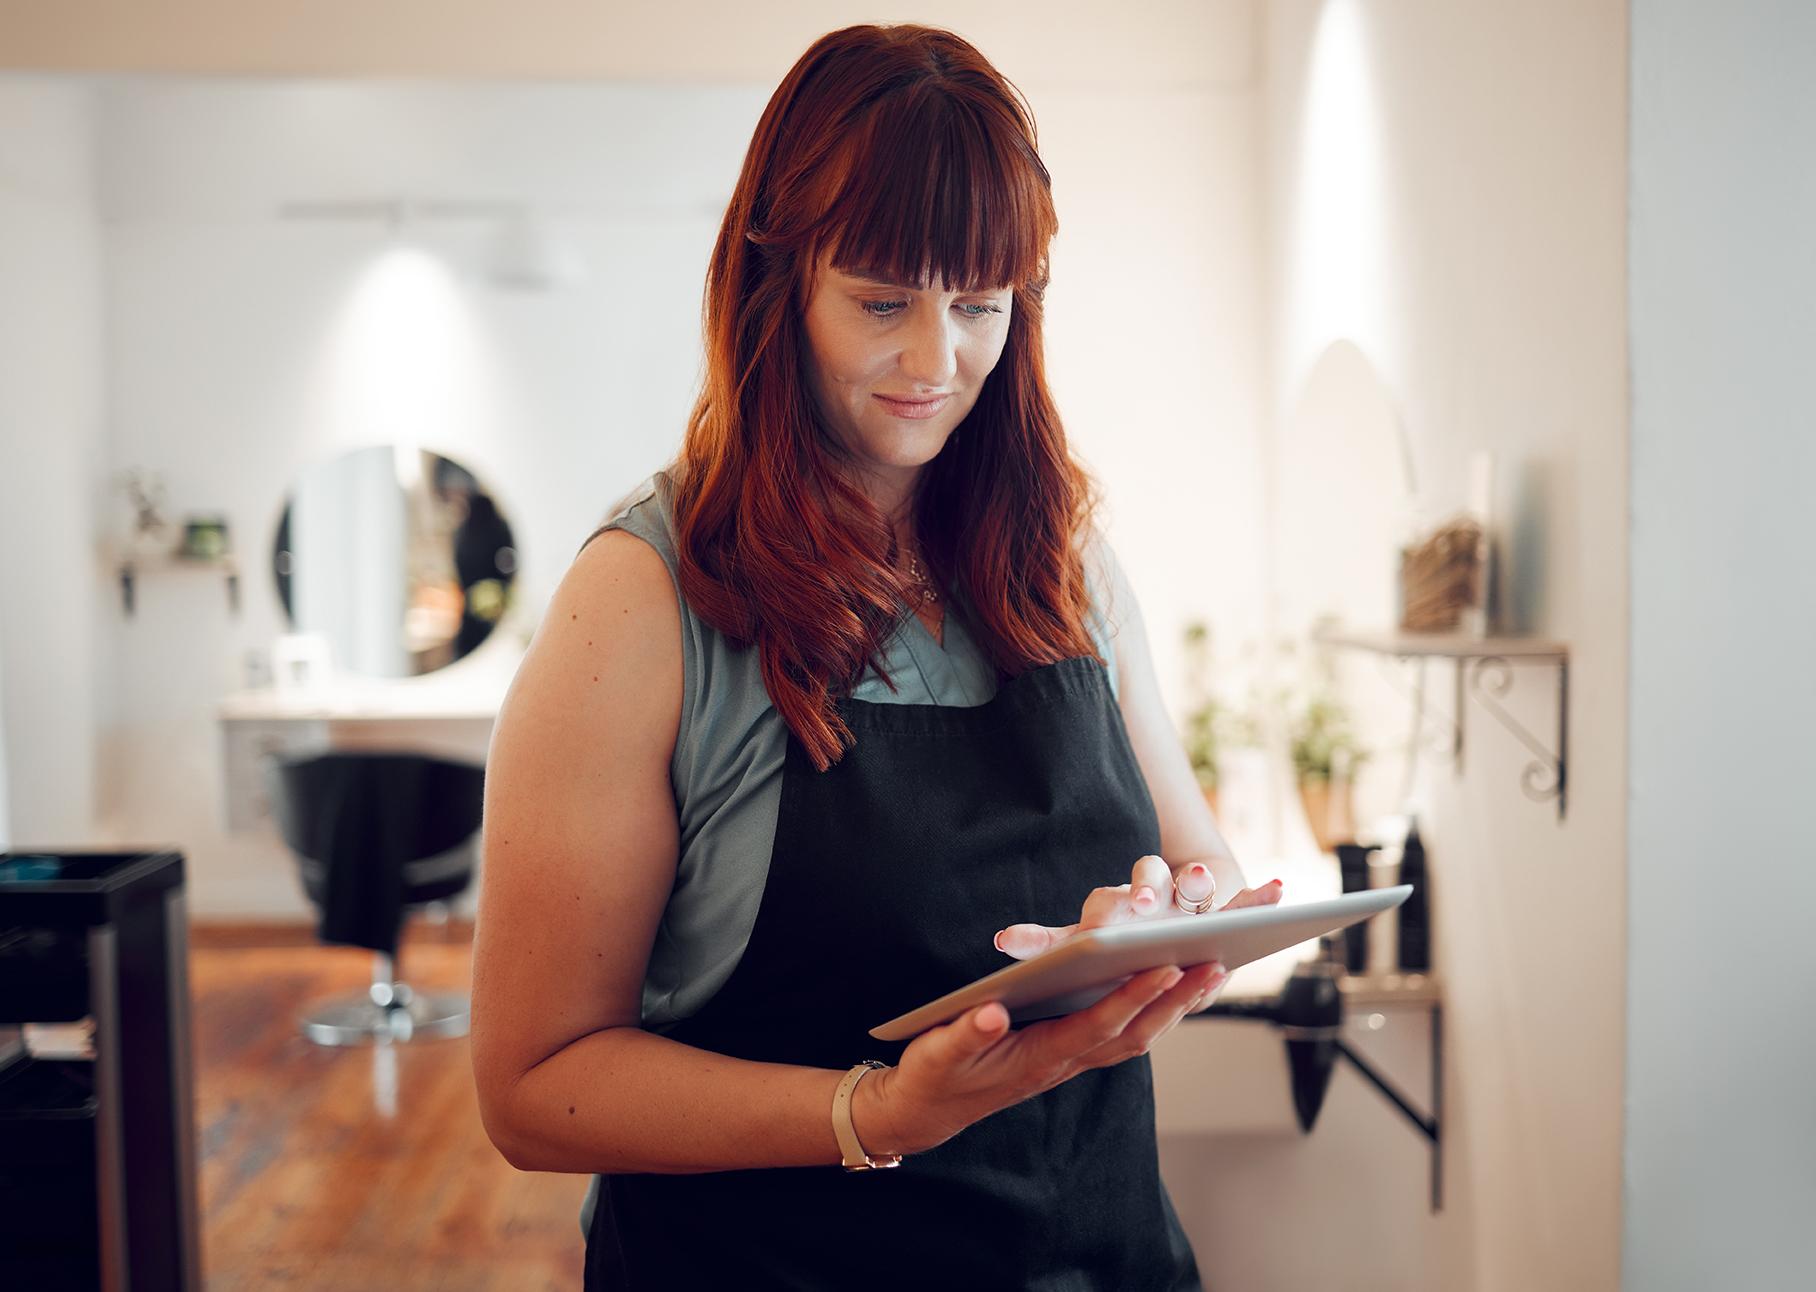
(871, 344)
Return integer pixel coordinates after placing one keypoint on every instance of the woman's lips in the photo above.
(913, 409)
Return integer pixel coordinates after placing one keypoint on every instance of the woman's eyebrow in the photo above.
(880, 278)
(876, 277)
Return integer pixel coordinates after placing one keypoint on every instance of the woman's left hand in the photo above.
(1149, 895)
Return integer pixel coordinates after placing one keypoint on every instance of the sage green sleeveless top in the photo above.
(727, 766)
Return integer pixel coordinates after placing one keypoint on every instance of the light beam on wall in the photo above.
(406, 359)
(1336, 254)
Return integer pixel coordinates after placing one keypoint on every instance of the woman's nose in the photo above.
(930, 355)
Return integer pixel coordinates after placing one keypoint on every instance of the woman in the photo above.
(823, 723)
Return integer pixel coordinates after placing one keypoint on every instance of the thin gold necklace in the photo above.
(917, 574)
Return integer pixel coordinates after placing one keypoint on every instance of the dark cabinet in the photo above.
(97, 1155)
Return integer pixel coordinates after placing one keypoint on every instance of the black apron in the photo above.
(891, 872)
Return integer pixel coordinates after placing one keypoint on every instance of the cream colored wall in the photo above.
(1069, 41)
(1446, 190)
(53, 589)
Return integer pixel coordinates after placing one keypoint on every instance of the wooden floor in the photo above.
(354, 1169)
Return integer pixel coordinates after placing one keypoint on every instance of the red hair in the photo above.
(900, 149)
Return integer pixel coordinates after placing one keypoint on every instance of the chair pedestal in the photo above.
(388, 1010)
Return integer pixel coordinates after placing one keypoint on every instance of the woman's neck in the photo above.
(894, 497)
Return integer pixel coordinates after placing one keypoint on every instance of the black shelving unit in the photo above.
(97, 1156)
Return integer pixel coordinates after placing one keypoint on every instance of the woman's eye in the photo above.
(889, 309)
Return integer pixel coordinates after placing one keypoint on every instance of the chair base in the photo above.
(361, 1020)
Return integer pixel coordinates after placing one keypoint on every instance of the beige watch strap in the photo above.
(852, 1153)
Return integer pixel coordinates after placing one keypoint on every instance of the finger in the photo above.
(1063, 1040)
(1157, 1018)
(1196, 884)
(1202, 985)
(1026, 940)
(1104, 906)
(1108, 906)
(1267, 895)
(965, 1037)
(1150, 887)
(1209, 993)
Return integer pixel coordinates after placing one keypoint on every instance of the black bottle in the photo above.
(1414, 922)
(1352, 861)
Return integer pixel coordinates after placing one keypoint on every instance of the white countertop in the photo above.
(367, 702)
(471, 690)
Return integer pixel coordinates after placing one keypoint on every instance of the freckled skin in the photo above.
(925, 342)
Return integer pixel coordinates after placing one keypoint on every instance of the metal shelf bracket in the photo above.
(1484, 671)
(1547, 776)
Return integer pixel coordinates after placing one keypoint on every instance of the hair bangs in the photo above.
(935, 190)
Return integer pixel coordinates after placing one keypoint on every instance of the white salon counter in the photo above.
(448, 716)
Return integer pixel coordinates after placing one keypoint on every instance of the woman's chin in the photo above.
(907, 449)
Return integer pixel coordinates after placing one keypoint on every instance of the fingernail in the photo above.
(1144, 896)
(1197, 1000)
(998, 940)
(1198, 870)
(1277, 883)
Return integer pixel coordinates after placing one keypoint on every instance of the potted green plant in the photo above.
(1210, 725)
(1326, 756)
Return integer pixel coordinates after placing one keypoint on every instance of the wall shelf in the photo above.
(1484, 670)
(1310, 1012)
(131, 568)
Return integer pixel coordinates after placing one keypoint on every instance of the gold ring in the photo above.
(1193, 908)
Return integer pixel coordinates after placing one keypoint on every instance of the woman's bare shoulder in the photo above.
(1104, 577)
(608, 649)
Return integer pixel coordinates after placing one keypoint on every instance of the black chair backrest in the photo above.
(363, 814)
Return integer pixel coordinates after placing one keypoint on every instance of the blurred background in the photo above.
(1445, 369)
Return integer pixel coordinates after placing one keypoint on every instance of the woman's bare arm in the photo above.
(1188, 831)
(581, 842)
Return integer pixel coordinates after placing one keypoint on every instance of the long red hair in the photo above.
(898, 148)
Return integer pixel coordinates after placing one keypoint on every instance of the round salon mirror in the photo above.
(398, 557)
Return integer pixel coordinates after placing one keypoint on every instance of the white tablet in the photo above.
(1088, 966)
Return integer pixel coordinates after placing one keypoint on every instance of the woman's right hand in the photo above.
(960, 1072)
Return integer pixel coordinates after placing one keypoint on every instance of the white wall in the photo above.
(1445, 188)
(52, 404)
(1721, 1043)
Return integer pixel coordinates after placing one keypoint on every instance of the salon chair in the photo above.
(374, 834)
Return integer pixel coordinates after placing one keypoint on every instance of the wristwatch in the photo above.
(853, 1156)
